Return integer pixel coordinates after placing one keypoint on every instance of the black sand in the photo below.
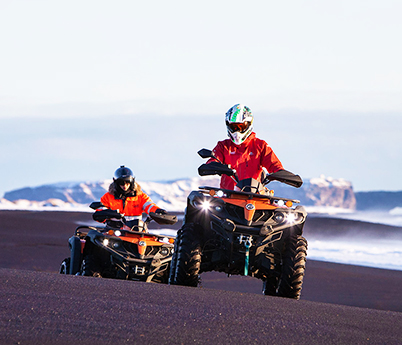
(340, 304)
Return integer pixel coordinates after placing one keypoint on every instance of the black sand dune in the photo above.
(340, 304)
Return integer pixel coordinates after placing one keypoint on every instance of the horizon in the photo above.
(318, 181)
(363, 150)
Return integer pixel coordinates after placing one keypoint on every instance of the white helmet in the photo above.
(239, 122)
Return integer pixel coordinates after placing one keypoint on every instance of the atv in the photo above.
(122, 249)
(247, 231)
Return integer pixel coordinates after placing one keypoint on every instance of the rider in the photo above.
(243, 151)
(126, 196)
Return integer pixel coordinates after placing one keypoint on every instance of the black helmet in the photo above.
(123, 174)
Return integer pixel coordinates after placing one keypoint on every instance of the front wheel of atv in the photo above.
(186, 261)
(76, 256)
(65, 266)
(90, 267)
(173, 262)
(293, 267)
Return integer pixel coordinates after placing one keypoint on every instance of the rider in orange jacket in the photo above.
(243, 151)
(126, 196)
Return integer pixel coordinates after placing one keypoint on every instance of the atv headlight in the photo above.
(291, 218)
(165, 251)
(205, 205)
(279, 202)
(295, 217)
(220, 194)
(110, 243)
(279, 217)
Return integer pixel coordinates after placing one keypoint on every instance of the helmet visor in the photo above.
(238, 127)
(122, 182)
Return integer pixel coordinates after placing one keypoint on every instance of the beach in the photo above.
(339, 302)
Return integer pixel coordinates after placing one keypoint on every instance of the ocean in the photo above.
(371, 249)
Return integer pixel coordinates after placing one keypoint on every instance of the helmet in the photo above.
(123, 174)
(239, 122)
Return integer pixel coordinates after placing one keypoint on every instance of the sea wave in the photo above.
(378, 253)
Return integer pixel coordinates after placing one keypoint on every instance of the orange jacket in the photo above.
(133, 205)
(247, 158)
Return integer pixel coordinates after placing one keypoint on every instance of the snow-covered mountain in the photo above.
(172, 195)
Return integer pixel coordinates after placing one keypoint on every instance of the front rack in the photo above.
(250, 195)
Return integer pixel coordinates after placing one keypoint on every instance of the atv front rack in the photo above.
(106, 230)
(233, 193)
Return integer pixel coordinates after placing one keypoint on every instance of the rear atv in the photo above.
(123, 249)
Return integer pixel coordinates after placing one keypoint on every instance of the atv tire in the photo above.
(173, 262)
(269, 272)
(293, 267)
(90, 267)
(65, 266)
(185, 268)
(76, 256)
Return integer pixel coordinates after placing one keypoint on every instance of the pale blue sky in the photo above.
(92, 82)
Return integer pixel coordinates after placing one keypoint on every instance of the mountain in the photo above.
(172, 195)
(321, 191)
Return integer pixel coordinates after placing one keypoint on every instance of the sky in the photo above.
(86, 86)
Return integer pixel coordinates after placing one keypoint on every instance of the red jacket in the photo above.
(133, 205)
(247, 158)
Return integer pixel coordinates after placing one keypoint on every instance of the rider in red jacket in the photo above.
(243, 151)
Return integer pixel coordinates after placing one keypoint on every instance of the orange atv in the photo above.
(248, 231)
(123, 249)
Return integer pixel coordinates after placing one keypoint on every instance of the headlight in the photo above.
(220, 194)
(110, 243)
(164, 251)
(291, 218)
(279, 217)
(282, 217)
(280, 203)
(163, 240)
(205, 205)
(295, 217)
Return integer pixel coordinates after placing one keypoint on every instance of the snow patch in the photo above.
(326, 182)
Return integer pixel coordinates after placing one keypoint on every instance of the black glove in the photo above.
(160, 211)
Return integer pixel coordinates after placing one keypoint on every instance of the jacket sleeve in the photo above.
(269, 160)
(147, 204)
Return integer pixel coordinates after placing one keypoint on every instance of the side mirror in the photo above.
(205, 153)
(95, 205)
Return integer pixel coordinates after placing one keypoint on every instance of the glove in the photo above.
(160, 211)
